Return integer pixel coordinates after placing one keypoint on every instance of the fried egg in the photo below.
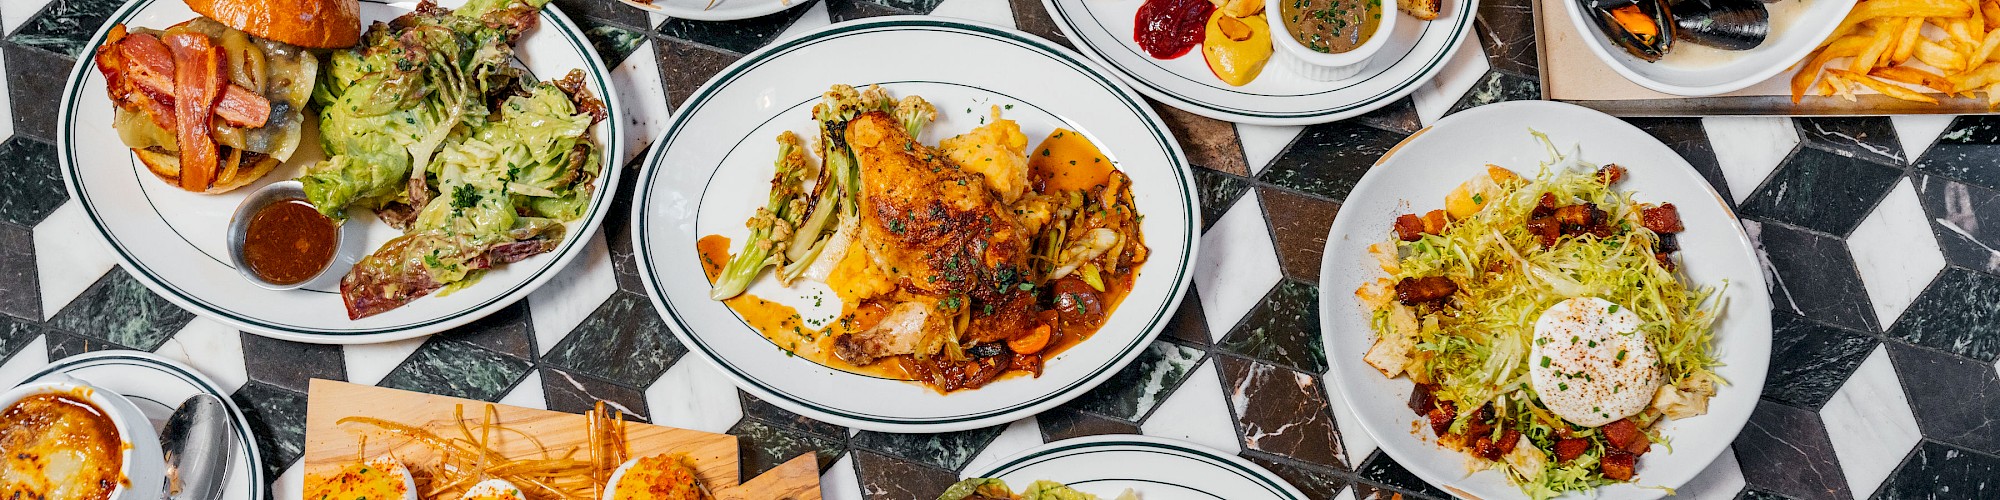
(1590, 363)
(494, 489)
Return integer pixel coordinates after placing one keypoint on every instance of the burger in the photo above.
(214, 103)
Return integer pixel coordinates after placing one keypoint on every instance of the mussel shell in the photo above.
(1656, 10)
(1723, 24)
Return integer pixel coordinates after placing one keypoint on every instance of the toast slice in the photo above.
(1421, 9)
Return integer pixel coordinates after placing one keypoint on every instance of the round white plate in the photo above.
(712, 168)
(722, 10)
(1419, 172)
(1416, 52)
(1155, 468)
(1789, 42)
(173, 240)
(158, 385)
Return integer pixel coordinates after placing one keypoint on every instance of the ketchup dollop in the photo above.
(1168, 28)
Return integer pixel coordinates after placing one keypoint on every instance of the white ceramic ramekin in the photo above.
(144, 467)
(1320, 65)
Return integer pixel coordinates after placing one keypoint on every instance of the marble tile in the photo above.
(1314, 481)
(1196, 413)
(212, 348)
(26, 358)
(65, 26)
(1283, 329)
(527, 393)
(993, 12)
(1785, 450)
(948, 451)
(1327, 159)
(752, 407)
(740, 36)
(624, 341)
(1939, 470)
(15, 333)
(574, 393)
(1722, 479)
(1238, 264)
(277, 419)
(1956, 212)
(1189, 324)
(1399, 116)
(1965, 151)
(1953, 398)
(1466, 68)
(848, 10)
(1809, 275)
(1217, 191)
(507, 331)
(612, 42)
(888, 478)
(1382, 469)
(1870, 138)
(1136, 390)
(1506, 29)
(457, 369)
(1281, 412)
(645, 100)
(1870, 423)
(1749, 148)
(1895, 252)
(34, 181)
(290, 365)
(1499, 86)
(1810, 359)
(1018, 436)
(35, 77)
(1208, 142)
(120, 310)
(693, 395)
(1263, 143)
(1755, 493)
(1956, 314)
(1299, 224)
(1356, 444)
(69, 257)
(840, 481)
(368, 363)
(1821, 190)
(600, 12)
(63, 345)
(684, 66)
(291, 483)
(617, 233)
(814, 17)
(1916, 133)
(20, 290)
(1061, 423)
(1685, 135)
(1032, 17)
(15, 13)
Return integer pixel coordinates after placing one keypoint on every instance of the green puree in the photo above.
(1331, 26)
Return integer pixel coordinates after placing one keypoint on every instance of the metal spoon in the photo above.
(197, 446)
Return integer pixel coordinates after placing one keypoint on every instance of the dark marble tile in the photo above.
(64, 26)
(1189, 324)
(1821, 190)
(457, 369)
(1939, 471)
(15, 334)
(1284, 412)
(508, 331)
(1283, 329)
(623, 341)
(1218, 192)
(1962, 216)
(1754, 493)
(278, 420)
(1498, 86)
(1314, 481)
(740, 36)
(63, 345)
(756, 408)
(1327, 159)
(618, 232)
(595, 12)
(1956, 401)
(1031, 16)
(34, 183)
(763, 446)
(20, 283)
(575, 393)
(1380, 468)
(848, 10)
(1786, 450)
(34, 79)
(1964, 152)
(291, 365)
(890, 478)
(1958, 313)
(1810, 360)
(1298, 225)
(1399, 116)
(612, 42)
(685, 66)
(119, 310)
(1142, 385)
(949, 451)
(1686, 136)
(1208, 142)
(1507, 32)
(1062, 423)
(1812, 275)
(1870, 138)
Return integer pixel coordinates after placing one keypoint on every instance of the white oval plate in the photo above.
(712, 168)
(1102, 29)
(158, 385)
(1156, 469)
(173, 240)
(1787, 45)
(723, 10)
(1417, 174)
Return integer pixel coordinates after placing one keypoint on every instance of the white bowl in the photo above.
(142, 464)
(1322, 66)
(1788, 43)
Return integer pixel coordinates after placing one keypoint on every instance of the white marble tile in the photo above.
(1721, 480)
(291, 483)
(30, 359)
(1896, 253)
(644, 99)
(68, 256)
(815, 17)
(1465, 69)
(1749, 148)
(1355, 440)
(1263, 143)
(569, 298)
(14, 13)
(527, 394)
(1196, 413)
(642, 413)
(368, 363)
(693, 395)
(840, 481)
(1870, 424)
(1346, 493)
(1917, 132)
(1019, 436)
(212, 348)
(986, 11)
(1238, 265)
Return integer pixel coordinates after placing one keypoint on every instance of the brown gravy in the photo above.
(1331, 26)
(289, 242)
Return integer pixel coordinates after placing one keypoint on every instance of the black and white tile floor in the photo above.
(1880, 238)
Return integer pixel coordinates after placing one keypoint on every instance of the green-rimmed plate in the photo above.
(712, 167)
(1156, 469)
(173, 240)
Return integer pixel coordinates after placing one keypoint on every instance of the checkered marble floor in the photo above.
(1880, 238)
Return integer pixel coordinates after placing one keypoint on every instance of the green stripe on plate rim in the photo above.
(1273, 486)
(237, 422)
(701, 97)
(550, 15)
(1462, 21)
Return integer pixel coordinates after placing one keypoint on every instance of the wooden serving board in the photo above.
(330, 447)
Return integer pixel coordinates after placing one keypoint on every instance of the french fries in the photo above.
(1882, 45)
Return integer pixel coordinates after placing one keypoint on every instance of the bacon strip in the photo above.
(139, 70)
(198, 81)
